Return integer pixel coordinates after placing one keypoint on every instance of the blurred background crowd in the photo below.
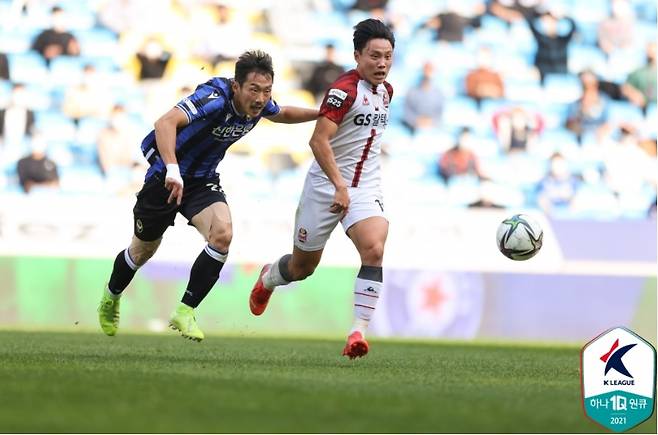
(499, 103)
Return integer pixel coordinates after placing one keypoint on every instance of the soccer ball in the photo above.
(519, 237)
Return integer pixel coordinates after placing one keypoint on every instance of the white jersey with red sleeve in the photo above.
(361, 111)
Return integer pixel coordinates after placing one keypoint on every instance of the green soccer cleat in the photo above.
(108, 314)
(183, 320)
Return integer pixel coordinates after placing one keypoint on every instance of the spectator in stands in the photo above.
(516, 128)
(4, 67)
(559, 186)
(484, 82)
(589, 114)
(369, 5)
(629, 167)
(89, 98)
(57, 40)
(451, 23)
(228, 25)
(122, 16)
(36, 169)
(116, 143)
(423, 104)
(514, 10)
(551, 55)
(153, 59)
(459, 160)
(617, 31)
(17, 119)
(324, 73)
(640, 86)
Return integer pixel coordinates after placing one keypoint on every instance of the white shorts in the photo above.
(313, 220)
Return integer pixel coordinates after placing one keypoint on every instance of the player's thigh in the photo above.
(152, 214)
(366, 225)
(369, 232)
(214, 222)
(314, 222)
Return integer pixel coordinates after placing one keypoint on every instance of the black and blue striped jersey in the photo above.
(214, 125)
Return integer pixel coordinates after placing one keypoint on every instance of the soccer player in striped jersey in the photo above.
(183, 150)
(343, 183)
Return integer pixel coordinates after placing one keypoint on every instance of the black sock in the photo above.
(122, 273)
(204, 275)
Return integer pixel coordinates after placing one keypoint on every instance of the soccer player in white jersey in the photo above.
(343, 183)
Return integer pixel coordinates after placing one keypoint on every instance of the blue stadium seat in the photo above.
(5, 91)
(558, 139)
(523, 91)
(55, 125)
(66, 71)
(27, 67)
(81, 179)
(581, 57)
(461, 111)
(623, 111)
(554, 114)
(97, 42)
(562, 88)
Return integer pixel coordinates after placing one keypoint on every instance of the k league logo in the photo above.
(618, 373)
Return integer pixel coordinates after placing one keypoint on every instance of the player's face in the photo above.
(253, 95)
(374, 61)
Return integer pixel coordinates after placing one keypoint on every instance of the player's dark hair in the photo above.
(371, 29)
(253, 61)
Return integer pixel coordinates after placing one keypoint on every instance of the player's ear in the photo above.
(235, 86)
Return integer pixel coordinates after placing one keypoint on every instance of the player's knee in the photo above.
(373, 254)
(220, 237)
(302, 271)
(142, 254)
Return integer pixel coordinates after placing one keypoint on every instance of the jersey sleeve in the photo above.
(203, 102)
(337, 101)
(271, 108)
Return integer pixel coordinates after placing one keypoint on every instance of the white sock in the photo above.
(273, 278)
(366, 294)
(113, 295)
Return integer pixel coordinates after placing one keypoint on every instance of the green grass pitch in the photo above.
(84, 382)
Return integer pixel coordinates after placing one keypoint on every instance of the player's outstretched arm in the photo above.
(294, 115)
(165, 138)
(325, 129)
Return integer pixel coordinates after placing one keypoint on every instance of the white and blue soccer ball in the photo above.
(519, 237)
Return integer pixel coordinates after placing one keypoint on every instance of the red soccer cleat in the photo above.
(356, 346)
(260, 295)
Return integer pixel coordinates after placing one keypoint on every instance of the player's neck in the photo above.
(238, 112)
(363, 77)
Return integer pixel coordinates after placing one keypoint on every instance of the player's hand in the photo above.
(174, 183)
(341, 201)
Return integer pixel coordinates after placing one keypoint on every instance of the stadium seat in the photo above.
(55, 125)
(554, 114)
(562, 88)
(623, 111)
(5, 92)
(557, 140)
(66, 71)
(593, 11)
(79, 179)
(96, 41)
(27, 67)
(461, 112)
(523, 91)
(581, 57)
